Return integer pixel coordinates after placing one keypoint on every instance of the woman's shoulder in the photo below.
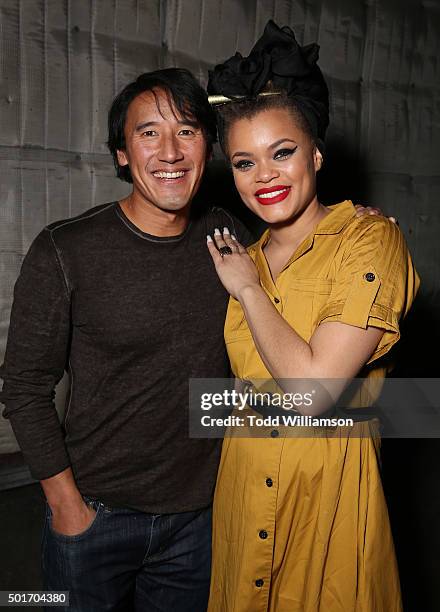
(371, 227)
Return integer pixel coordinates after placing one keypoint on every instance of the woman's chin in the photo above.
(273, 213)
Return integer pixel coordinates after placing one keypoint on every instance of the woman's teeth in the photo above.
(168, 175)
(272, 194)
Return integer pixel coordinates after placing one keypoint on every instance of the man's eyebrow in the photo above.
(274, 145)
(191, 122)
(147, 124)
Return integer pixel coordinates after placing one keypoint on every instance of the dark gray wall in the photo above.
(61, 63)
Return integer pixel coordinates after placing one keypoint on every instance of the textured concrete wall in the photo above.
(62, 61)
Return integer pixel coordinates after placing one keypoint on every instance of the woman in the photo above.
(301, 524)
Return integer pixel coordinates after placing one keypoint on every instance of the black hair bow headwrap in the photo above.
(278, 58)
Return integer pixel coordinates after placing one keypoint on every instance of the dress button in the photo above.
(369, 276)
(263, 534)
(274, 433)
(259, 582)
(269, 482)
(276, 300)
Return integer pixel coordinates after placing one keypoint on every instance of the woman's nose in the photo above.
(266, 172)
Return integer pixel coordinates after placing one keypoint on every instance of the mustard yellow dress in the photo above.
(301, 525)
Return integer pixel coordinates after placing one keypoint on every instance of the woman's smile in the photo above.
(272, 195)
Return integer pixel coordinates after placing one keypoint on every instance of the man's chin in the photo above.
(177, 207)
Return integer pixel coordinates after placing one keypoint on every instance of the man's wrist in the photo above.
(63, 502)
(61, 491)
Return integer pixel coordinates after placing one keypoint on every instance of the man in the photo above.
(126, 298)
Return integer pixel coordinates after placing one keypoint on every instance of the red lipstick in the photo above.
(280, 193)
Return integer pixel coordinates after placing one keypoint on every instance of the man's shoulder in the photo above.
(218, 217)
(89, 217)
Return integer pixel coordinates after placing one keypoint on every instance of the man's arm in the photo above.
(35, 359)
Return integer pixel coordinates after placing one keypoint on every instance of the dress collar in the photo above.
(333, 223)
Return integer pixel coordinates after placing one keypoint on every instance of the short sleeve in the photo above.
(375, 282)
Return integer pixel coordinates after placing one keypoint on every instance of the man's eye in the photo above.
(243, 164)
(149, 133)
(284, 153)
(186, 132)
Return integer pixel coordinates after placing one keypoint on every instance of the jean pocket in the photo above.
(98, 507)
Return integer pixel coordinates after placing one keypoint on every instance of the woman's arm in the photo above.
(335, 351)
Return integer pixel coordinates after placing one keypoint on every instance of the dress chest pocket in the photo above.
(305, 299)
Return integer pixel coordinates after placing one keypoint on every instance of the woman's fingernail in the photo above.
(226, 230)
(208, 238)
(216, 232)
(233, 237)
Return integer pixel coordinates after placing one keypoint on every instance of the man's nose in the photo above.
(170, 150)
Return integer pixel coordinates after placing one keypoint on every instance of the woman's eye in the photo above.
(186, 132)
(243, 164)
(284, 153)
(149, 133)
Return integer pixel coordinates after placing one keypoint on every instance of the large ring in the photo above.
(225, 250)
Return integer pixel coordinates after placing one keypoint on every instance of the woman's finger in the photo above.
(213, 250)
(239, 246)
(228, 240)
(218, 239)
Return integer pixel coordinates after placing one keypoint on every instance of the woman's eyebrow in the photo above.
(241, 154)
(272, 146)
(280, 141)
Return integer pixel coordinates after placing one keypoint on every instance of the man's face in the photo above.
(165, 152)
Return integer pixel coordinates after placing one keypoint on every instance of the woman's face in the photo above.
(274, 164)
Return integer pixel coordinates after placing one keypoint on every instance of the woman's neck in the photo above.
(285, 239)
(290, 235)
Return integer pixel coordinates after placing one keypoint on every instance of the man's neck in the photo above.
(153, 220)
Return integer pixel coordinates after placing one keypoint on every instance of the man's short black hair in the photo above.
(184, 94)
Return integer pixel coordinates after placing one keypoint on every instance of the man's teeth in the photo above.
(168, 175)
(271, 194)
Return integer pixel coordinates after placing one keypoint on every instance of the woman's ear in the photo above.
(317, 159)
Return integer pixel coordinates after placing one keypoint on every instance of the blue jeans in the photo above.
(131, 561)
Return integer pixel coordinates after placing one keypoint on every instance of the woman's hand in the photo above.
(235, 269)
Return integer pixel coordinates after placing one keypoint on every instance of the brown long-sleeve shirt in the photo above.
(132, 317)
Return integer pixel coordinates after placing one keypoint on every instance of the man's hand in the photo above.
(74, 520)
(235, 269)
(371, 210)
(70, 514)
